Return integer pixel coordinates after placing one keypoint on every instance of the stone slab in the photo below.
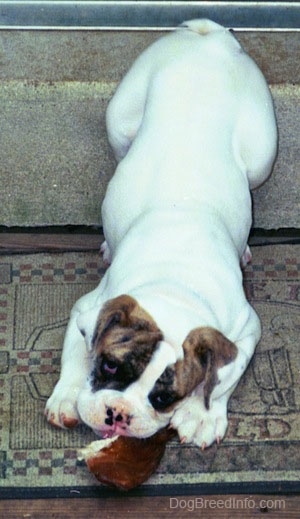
(55, 157)
(54, 89)
(106, 55)
(56, 161)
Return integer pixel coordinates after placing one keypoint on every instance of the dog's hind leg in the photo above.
(126, 109)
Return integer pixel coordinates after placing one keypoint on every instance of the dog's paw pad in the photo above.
(106, 255)
(61, 411)
(69, 422)
(212, 429)
(52, 419)
(62, 419)
(195, 424)
(246, 257)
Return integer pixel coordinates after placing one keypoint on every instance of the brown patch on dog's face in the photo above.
(205, 351)
(124, 340)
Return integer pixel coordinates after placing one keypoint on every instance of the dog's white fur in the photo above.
(193, 128)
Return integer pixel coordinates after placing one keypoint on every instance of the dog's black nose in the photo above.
(110, 416)
(114, 415)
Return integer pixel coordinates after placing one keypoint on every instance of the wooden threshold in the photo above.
(34, 242)
(208, 507)
(12, 243)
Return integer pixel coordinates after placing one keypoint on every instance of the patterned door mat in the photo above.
(262, 445)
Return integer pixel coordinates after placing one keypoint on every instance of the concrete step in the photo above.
(55, 159)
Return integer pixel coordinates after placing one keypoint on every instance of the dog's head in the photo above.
(136, 379)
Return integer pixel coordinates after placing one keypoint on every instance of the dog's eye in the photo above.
(109, 367)
(161, 400)
(126, 338)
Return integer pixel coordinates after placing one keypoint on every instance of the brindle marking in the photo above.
(205, 351)
(124, 340)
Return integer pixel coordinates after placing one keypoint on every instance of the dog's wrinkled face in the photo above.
(136, 380)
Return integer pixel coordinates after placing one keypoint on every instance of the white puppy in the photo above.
(169, 332)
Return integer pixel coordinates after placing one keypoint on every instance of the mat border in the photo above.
(99, 492)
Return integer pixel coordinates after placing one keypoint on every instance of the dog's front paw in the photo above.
(198, 425)
(61, 408)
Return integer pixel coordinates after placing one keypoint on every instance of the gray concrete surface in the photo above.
(55, 159)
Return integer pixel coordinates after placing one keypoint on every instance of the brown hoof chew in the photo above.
(125, 462)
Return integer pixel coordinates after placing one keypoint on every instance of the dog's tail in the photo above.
(202, 26)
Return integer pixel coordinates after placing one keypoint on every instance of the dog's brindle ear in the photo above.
(125, 317)
(115, 311)
(205, 351)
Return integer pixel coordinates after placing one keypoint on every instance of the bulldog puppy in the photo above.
(167, 334)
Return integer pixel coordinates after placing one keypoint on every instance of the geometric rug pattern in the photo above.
(262, 444)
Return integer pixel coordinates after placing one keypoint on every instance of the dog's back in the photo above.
(193, 118)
